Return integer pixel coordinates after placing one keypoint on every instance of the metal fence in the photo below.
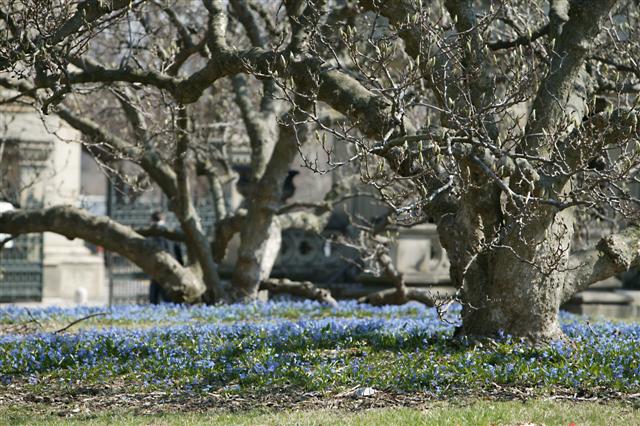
(21, 267)
(128, 283)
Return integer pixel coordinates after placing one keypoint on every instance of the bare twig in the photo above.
(65, 328)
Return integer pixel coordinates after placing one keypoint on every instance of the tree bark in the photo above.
(516, 286)
(570, 49)
(259, 248)
(304, 289)
(180, 283)
(260, 237)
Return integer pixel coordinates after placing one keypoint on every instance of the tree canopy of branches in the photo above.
(501, 122)
(169, 135)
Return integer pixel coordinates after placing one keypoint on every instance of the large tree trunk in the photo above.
(257, 255)
(511, 296)
(516, 285)
(519, 301)
(260, 236)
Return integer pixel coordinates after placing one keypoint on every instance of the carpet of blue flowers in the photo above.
(306, 346)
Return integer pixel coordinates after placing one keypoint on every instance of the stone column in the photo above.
(71, 271)
(50, 170)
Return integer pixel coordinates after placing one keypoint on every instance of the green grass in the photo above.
(479, 412)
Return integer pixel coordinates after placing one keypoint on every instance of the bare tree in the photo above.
(162, 133)
(498, 122)
(499, 131)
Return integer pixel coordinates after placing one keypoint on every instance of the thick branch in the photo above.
(216, 25)
(558, 16)
(393, 297)
(187, 90)
(570, 51)
(225, 230)
(400, 294)
(247, 18)
(519, 41)
(371, 113)
(96, 73)
(217, 196)
(179, 282)
(185, 37)
(300, 14)
(160, 231)
(134, 115)
(183, 194)
(258, 37)
(259, 127)
(614, 254)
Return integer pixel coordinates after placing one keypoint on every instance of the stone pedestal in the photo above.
(419, 255)
(68, 271)
(602, 304)
(603, 299)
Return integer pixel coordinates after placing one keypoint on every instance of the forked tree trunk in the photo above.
(256, 258)
(260, 236)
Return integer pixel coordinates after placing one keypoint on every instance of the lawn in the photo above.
(476, 413)
(304, 356)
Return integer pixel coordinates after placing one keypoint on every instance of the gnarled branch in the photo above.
(614, 254)
(179, 282)
(570, 51)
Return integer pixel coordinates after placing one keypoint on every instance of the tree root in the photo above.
(400, 294)
(304, 289)
(396, 297)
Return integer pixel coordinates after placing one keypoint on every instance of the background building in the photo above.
(40, 166)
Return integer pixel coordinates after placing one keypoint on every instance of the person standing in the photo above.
(156, 292)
